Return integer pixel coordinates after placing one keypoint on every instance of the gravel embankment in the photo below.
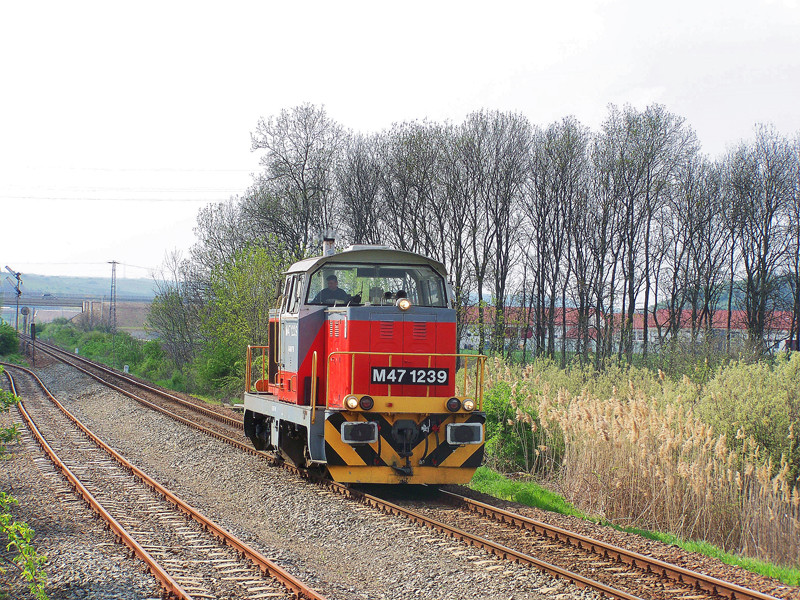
(343, 550)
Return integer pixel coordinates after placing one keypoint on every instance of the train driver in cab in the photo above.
(332, 294)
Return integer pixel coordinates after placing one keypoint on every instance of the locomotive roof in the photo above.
(379, 255)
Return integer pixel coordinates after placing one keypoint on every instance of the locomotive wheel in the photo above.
(252, 424)
(258, 444)
(292, 443)
(319, 471)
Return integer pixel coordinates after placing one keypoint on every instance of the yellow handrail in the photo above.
(249, 367)
(313, 386)
(480, 367)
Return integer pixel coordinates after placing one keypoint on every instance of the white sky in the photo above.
(118, 121)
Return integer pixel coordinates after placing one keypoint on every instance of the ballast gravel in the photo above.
(340, 548)
(83, 560)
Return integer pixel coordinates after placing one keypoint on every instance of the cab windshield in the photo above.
(340, 284)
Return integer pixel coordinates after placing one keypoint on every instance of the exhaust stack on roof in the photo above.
(328, 244)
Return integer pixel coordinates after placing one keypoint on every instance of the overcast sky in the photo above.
(119, 121)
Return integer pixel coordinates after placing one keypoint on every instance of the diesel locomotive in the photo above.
(360, 376)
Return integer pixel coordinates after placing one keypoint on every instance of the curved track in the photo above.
(190, 559)
(612, 571)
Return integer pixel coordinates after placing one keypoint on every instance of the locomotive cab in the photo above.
(361, 375)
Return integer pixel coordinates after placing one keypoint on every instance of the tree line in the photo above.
(632, 221)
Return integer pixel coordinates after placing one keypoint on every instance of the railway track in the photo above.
(618, 568)
(612, 571)
(219, 419)
(190, 555)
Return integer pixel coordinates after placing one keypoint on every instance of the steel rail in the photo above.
(54, 350)
(161, 409)
(171, 588)
(700, 581)
(390, 508)
(289, 581)
(188, 422)
(703, 582)
(496, 549)
(503, 552)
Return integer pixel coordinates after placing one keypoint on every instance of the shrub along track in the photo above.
(587, 562)
(190, 555)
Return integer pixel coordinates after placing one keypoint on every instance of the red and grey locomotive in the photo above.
(360, 373)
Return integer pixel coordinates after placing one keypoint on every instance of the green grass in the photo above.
(532, 494)
(209, 399)
(528, 493)
(788, 575)
(15, 359)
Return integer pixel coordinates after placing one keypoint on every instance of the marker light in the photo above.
(453, 404)
(403, 304)
(351, 402)
(469, 404)
(367, 403)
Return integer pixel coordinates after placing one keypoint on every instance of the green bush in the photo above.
(760, 401)
(9, 341)
(220, 371)
(177, 382)
(515, 438)
(145, 359)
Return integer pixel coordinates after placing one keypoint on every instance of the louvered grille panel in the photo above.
(333, 328)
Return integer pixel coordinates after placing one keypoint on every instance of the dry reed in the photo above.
(649, 462)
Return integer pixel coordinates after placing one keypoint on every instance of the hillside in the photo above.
(36, 285)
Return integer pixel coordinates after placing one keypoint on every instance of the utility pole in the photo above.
(112, 314)
(18, 277)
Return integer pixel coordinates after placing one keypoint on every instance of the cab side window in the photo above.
(293, 305)
(287, 288)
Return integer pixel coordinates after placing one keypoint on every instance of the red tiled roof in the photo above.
(515, 317)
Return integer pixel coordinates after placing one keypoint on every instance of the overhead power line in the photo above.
(135, 170)
(86, 189)
(65, 199)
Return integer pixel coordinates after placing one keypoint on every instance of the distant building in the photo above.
(516, 329)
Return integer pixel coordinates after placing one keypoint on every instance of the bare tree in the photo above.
(494, 154)
(762, 179)
(475, 153)
(604, 237)
(690, 251)
(709, 249)
(651, 145)
(301, 147)
(176, 311)
(358, 182)
(793, 253)
(409, 160)
(458, 195)
(221, 232)
(556, 185)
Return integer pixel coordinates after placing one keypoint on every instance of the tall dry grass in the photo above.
(646, 460)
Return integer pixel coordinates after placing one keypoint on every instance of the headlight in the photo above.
(469, 404)
(453, 404)
(351, 402)
(403, 303)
